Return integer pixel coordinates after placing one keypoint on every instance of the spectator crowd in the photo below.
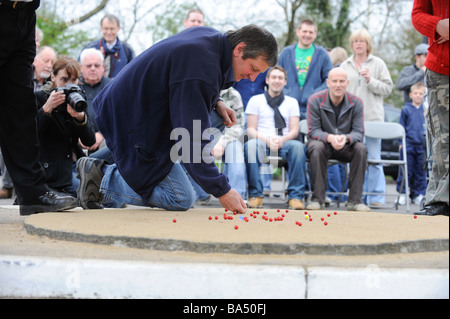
(332, 93)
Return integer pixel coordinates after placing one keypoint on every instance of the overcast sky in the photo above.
(218, 12)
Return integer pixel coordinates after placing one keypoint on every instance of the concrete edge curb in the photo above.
(416, 246)
(40, 277)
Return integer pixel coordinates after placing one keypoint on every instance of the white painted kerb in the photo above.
(87, 278)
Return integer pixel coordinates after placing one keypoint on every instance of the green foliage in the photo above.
(60, 36)
(171, 21)
(333, 32)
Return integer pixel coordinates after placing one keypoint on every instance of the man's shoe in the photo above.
(401, 200)
(315, 206)
(377, 204)
(6, 192)
(89, 172)
(434, 210)
(357, 207)
(296, 203)
(255, 202)
(49, 202)
(418, 199)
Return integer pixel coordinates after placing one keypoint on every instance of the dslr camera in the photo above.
(75, 97)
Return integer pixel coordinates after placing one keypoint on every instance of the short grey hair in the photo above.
(90, 51)
(110, 17)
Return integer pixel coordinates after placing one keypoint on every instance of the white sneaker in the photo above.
(417, 200)
(401, 200)
(358, 207)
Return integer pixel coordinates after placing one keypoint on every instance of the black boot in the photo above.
(434, 210)
(49, 202)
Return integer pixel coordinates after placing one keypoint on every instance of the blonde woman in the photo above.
(371, 81)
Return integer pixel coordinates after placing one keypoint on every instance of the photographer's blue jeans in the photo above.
(293, 152)
(174, 193)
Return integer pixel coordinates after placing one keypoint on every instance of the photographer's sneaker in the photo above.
(89, 172)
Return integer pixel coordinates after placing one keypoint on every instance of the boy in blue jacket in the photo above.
(412, 119)
(166, 92)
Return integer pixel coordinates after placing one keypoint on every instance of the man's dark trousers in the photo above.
(18, 134)
(319, 153)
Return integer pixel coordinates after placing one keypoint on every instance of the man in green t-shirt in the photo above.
(307, 65)
(303, 59)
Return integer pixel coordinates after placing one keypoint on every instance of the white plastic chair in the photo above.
(389, 131)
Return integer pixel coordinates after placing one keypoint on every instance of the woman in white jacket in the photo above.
(371, 81)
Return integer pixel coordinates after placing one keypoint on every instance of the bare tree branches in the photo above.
(88, 15)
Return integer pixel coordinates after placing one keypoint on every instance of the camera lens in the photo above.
(77, 102)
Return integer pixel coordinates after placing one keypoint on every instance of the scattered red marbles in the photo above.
(174, 220)
(236, 227)
(326, 223)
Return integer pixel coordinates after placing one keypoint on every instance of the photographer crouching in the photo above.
(62, 122)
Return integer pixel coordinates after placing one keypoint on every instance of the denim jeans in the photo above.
(375, 181)
(234, 169)
(293, 152)
(173, 193)
(104, 154)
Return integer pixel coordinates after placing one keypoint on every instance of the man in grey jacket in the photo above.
(414, 73)
(336, 131)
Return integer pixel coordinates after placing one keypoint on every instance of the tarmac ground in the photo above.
(142, 253)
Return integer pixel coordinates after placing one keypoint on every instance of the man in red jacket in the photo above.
(430, 18)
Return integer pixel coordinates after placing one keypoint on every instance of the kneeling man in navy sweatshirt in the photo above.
(170, 91)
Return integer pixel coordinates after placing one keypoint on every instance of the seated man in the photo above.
(273, 124)
(336, 130)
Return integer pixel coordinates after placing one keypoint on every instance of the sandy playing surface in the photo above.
(195, 226)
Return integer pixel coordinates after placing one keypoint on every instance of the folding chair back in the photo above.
(389, 130)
